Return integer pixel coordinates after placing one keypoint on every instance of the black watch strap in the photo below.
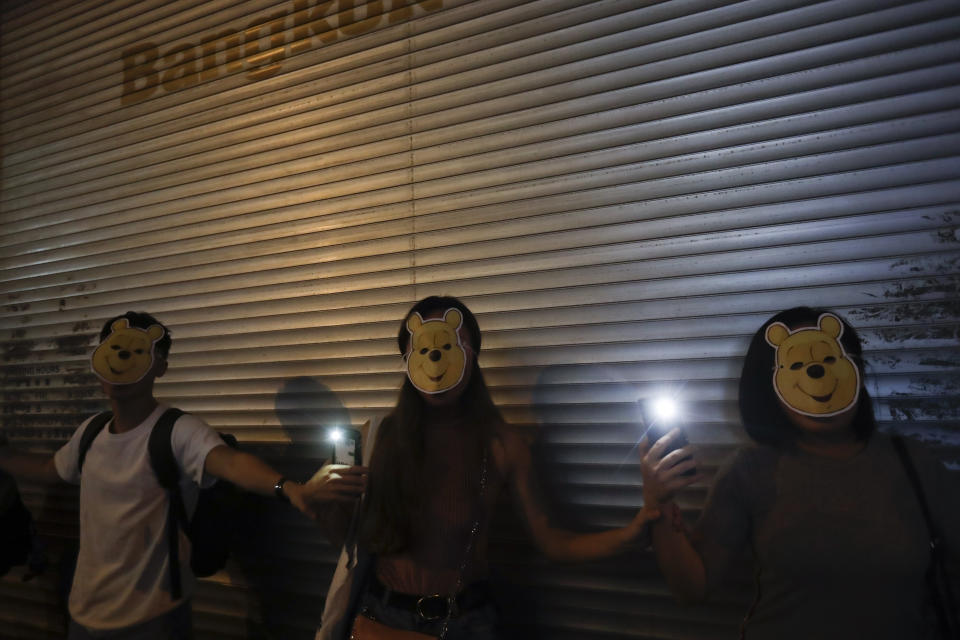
(278, 490)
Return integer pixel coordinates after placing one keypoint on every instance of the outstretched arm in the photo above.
(35, 467)
(680, 563)
(253, 474)
(559, 544)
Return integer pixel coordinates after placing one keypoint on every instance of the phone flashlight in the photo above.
(661, 415)
(344, 445)
(665, 409)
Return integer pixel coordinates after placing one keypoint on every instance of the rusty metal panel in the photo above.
(623, 192)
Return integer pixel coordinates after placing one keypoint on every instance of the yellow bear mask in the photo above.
(126, 355)
(813, 374)
(436, 360)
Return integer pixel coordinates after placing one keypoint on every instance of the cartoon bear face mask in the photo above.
(126, 355)
(436, 360)
(813, 374)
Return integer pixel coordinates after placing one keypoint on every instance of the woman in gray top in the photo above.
(839, 541)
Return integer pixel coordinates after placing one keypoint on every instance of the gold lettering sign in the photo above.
(261, 47)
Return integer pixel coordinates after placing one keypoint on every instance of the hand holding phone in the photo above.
(656, 432)
(667, 466)
(336, 483)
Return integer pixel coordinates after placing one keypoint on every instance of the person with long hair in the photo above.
(441, 457)
(826, 504)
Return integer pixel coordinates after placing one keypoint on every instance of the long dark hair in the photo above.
(762, 415)
(396, 485)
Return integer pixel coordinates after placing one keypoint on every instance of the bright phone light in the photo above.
(335, 435)
(665, 408)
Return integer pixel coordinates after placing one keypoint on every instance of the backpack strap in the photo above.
(91, 431)
(164, 464)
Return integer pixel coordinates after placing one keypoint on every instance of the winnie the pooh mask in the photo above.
(436, 360)
(126, 355)
(813, 374)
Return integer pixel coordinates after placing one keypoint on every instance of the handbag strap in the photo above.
(474, 532)
(911, 470)
(939, 582)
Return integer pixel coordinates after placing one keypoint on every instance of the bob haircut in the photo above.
(141, 320)
(760, 409)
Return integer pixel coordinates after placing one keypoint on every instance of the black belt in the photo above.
(435, 606)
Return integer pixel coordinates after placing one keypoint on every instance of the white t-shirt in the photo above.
(122, 575)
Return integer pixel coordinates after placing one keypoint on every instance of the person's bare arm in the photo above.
(679, 562)
(253, 474)
(559, 544)
(25, 465)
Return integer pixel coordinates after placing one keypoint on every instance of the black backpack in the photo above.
(16, 526)
(215, 519)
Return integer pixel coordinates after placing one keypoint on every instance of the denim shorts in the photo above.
(477, 623)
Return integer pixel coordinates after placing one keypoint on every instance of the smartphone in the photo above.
(660, 427)
(657, 431)
(346, 447)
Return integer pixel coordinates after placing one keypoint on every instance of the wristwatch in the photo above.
(278, 490)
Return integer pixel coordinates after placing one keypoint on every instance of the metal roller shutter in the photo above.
(623, 192)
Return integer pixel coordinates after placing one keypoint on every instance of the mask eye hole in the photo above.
(829, 359)
(138, 351)
(447, 346)
(423, 351)
(796, 365)
(115, 347)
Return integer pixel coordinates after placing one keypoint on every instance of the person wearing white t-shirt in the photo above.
(122, 586)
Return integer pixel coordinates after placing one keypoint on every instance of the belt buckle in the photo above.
(449, 606)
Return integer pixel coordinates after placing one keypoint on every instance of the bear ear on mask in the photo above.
(830, 325)
(454, 318)
(776, 334)
(414, 322)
